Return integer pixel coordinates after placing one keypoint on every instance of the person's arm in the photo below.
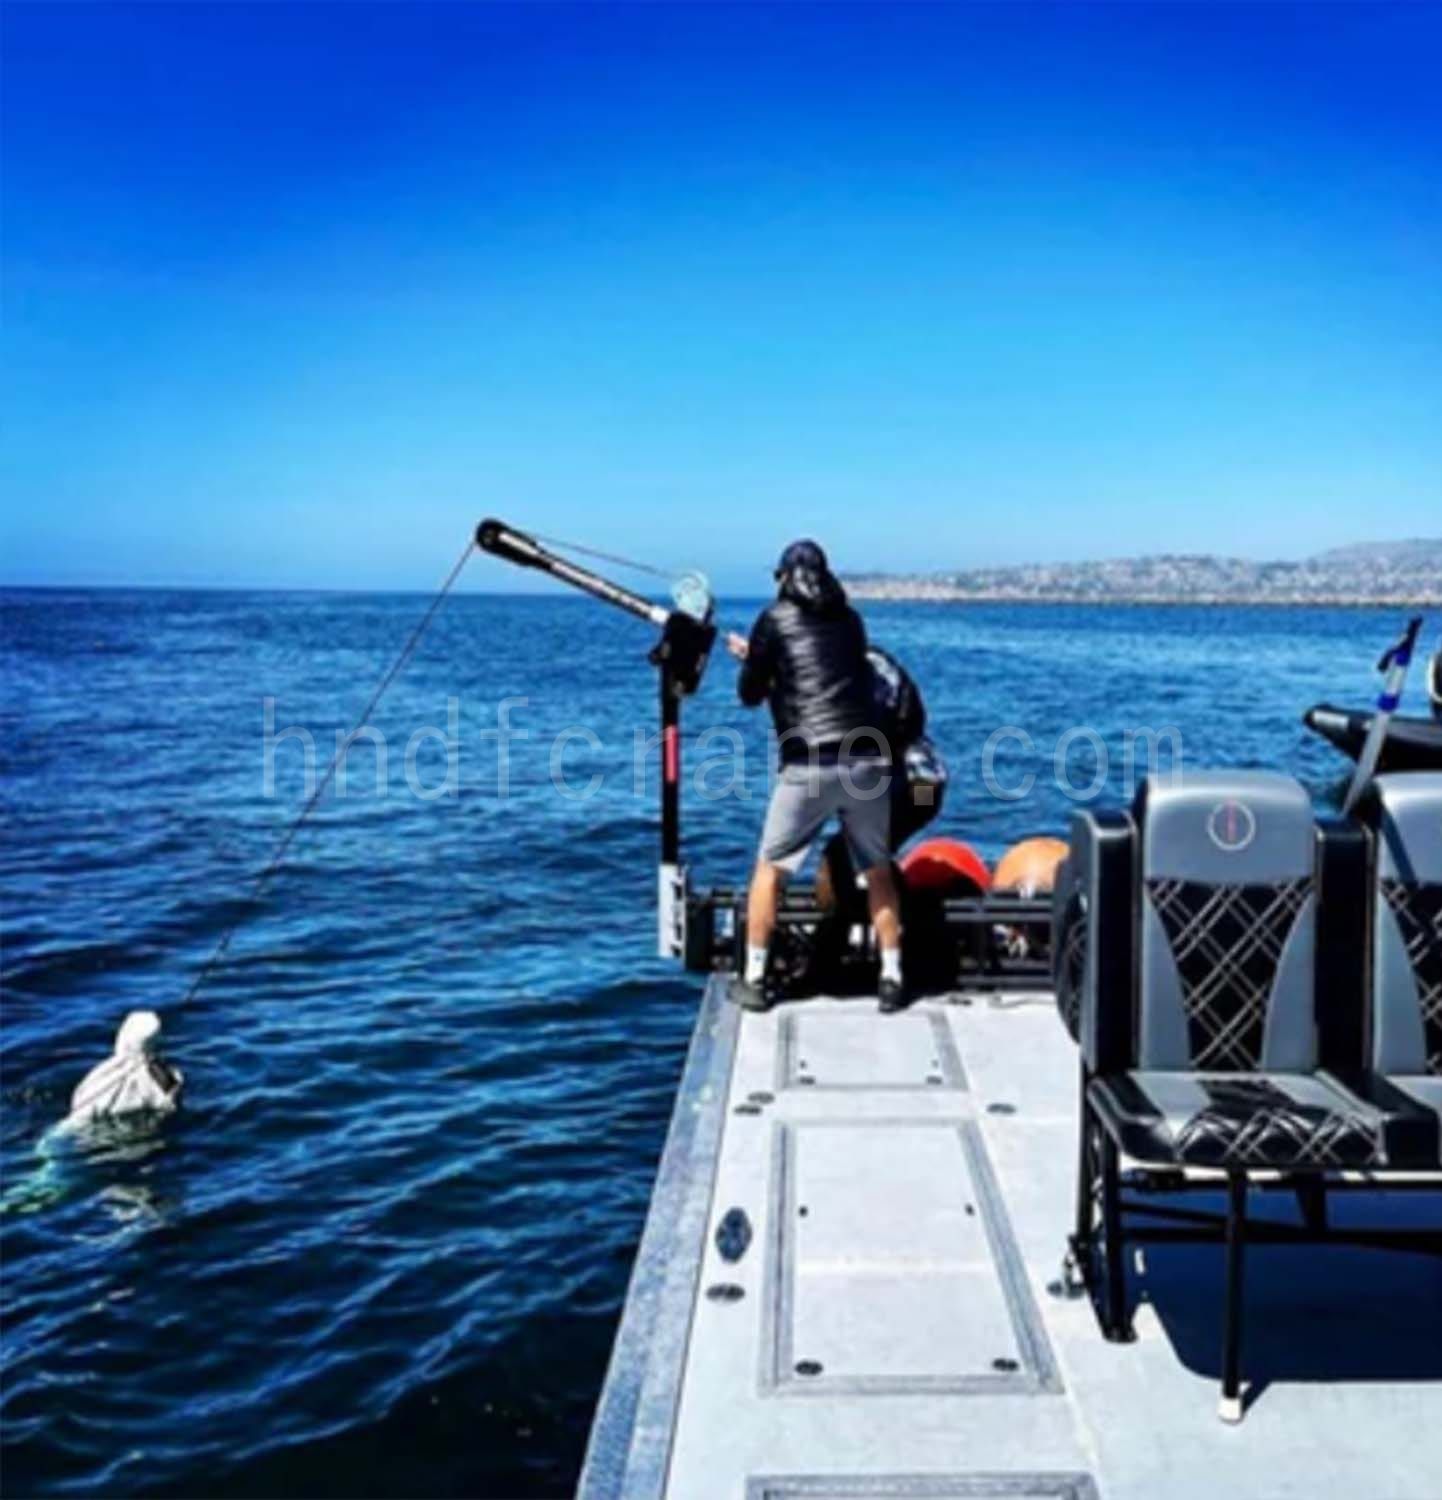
(910, 709)
(758, 667)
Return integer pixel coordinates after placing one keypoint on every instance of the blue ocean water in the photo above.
(383, 1248)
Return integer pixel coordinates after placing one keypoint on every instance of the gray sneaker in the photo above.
(748, 996)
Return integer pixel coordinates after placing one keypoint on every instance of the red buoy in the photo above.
(946, 866)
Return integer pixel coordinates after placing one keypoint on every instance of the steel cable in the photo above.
(312, 801)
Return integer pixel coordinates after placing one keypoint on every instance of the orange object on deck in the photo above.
(945, 865)
(1029, 868)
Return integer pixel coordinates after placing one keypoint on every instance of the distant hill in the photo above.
(1407, 572)
(1417, 553)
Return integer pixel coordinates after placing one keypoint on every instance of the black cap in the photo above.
(802, 554)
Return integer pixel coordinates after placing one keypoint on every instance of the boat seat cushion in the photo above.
(1285, 1121)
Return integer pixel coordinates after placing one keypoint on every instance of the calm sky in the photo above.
(293, 295)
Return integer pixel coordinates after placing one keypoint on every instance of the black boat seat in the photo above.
(1220, 940)
(1404, 813)
(1225, 1067)
(1209, 1054)
(1257, 1121)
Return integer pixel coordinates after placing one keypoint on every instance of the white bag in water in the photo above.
(131, 1081)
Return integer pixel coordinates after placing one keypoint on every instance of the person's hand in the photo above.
(737, 645)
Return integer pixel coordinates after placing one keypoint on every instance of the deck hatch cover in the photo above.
(922, 1487)
(830, 1050)
(903, 1276)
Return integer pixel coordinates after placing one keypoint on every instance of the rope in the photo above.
(610, 557)
(267, 874)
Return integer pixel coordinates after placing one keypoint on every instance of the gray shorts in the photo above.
(857, 790)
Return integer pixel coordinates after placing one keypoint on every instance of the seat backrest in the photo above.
(1068, 945)
(1094, 941)
(1405, 815)
(1227, 943)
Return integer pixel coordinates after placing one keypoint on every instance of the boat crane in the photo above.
(704, 927)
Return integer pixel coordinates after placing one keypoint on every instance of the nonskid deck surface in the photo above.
(908, 1184)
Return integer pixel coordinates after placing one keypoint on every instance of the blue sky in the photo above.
(293, 295)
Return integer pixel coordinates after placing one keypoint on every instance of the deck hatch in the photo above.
(922, 1487)
(826, 1051)
(901, 1276)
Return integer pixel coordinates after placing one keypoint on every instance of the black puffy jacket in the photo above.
(807, 655)
(898, 699)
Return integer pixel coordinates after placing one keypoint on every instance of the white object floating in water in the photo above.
(131, 1081)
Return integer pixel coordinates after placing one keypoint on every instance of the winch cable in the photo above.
(610, 557)
(690, 591)
(312, 801)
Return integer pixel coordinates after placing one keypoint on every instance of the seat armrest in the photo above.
(1103, 856)
(1411, 1132)
(1345, 893)
(1068, 945)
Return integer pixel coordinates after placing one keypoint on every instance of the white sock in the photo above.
(891, 964)
(755, 964)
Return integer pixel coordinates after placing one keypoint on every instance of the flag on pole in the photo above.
(1394, 663)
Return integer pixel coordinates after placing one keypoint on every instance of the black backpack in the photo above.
(898, 698)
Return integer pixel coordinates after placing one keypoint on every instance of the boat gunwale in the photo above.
(629, 1450)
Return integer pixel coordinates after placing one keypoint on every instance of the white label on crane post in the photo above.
(671, 911)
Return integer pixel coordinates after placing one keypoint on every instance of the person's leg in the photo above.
(866, 818)
(825, 874)
(837, 888)
(793, 818)
(761, 903)
(885, 902)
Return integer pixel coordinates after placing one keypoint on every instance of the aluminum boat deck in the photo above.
(895, 1327)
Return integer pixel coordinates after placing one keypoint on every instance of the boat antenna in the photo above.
(262, 880)
(1394, 662)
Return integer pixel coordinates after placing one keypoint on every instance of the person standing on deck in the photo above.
(918, 787)
(807, 656)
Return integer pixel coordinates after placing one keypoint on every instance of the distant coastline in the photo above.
(1369, 575)
(867, 594)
